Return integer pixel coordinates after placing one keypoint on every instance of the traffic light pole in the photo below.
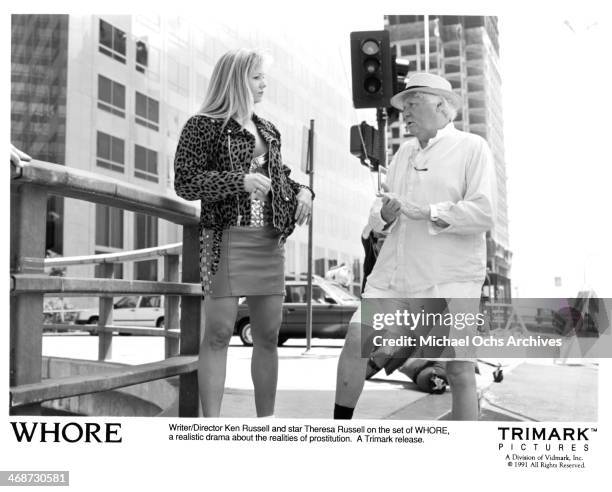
(310, 168)
(381, 120)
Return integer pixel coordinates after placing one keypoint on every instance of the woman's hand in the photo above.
(257, 183)
(18, 157)
(304, 207)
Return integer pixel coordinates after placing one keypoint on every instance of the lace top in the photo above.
(261, 211)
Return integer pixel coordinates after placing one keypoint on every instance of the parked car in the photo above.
(332, 308)
(130, 311)
(58, 312)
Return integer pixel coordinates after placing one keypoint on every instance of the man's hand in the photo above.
(391, 205)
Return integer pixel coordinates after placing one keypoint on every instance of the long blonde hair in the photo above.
(228, 94)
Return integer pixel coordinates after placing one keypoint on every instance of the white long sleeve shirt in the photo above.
(454, 173)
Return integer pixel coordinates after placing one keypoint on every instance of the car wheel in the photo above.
(281, 340)
(244, 332)
(160, 323)
(93, 321)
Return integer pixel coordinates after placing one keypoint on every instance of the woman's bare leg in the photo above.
(220, 317)
(266, 314)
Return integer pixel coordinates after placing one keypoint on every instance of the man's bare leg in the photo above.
(462, 381)
(351, 371)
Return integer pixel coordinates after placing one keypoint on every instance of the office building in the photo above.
(110, 94)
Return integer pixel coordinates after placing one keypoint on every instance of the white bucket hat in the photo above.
(430, 84)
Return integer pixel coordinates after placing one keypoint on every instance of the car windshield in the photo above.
(297, 293)
(340, 293)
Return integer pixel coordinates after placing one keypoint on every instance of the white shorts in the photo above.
(462, 297)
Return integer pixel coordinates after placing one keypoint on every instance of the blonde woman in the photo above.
(230, 159)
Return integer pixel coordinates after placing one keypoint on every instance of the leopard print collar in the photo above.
(266, 130)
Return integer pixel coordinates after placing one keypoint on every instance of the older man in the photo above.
(438, 202)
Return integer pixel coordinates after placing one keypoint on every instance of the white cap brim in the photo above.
(453, 98)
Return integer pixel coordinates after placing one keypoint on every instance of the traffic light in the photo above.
(401, 68)
(372, 69)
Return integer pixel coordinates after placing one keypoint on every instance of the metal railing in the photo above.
(30, 186)
(170, 253)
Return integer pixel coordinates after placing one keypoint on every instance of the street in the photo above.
(532, 390)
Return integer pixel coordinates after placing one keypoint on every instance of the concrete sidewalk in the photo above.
(546, 391)
(307, 385)
(532, 389)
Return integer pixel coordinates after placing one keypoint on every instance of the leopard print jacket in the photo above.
(210, 163)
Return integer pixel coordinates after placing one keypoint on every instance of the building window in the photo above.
(145, 163)
(111, 96)
(408, 50)
(110, 152)
(117, 268)
(152, 20)
(54, 236)
(201, 86)
(395, 132)
(109, 227)
(112, 41)
(302, 260)
(178, 77)
(332, 262)
(394, 148)
(147, 111)
(319, 261)
(145, 236)
(178, 28)
(290, 272)
(142, 56)
(153, 65)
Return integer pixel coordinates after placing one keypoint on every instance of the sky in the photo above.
(556, 116)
